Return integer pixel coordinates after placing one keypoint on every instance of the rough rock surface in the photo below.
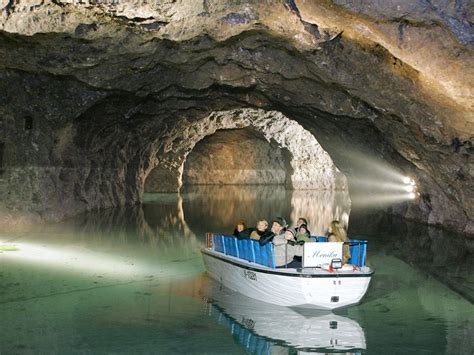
(90, 92)
(311, 167)
(237, 157)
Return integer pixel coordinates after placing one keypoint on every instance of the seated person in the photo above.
(245, 234)
(278, 228)
(261, 229)
(338, 234)
(300, 222)
(239, 227)
(286, 249)
(303, 234)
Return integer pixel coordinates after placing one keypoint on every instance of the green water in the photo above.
(132, 281)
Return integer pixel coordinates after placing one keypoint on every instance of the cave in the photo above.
(237, 157)
(114, 100)
(267, 142)
(119, 115)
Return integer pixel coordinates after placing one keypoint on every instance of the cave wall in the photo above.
(164, 179)
(236, 157)
(107, 84)
(309, 166)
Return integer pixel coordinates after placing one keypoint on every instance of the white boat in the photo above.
(306, 287)
(261, 327)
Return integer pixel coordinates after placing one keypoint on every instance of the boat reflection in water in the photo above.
(263, 328)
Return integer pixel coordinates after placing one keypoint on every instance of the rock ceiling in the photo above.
(103, 83)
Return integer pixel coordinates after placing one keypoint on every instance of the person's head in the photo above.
(289, 234)
(336, 228)
(301, 221)
(303, 229)
(278, 225)
(262, 225)
(240, 226)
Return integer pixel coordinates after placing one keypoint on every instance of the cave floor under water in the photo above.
(132, 281)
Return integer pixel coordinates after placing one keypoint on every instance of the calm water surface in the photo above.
(132, 281)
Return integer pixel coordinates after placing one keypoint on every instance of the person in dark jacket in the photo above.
(239, 227)
(245, 234)
(278, 228)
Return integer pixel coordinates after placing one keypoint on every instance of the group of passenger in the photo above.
(288, 242)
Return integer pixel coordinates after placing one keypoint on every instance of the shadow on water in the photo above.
(132, 281)
(446, 256)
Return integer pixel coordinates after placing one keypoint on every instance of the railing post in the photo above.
(236, 245)
(360, 259)
(209, 240)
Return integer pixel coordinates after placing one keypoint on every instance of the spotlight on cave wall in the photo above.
(374, 182)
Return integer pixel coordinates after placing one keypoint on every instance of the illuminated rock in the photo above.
(105, 84)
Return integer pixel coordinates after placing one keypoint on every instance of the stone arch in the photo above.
(237, 157)
(311, 165)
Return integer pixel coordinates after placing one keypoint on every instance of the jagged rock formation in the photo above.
(311, 167)
(236, 157)
(90, 91)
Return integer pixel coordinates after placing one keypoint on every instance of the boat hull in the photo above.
(288, 287)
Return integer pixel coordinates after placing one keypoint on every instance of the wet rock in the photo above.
(107, 87)
(236, 157)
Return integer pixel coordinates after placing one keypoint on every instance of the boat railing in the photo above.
(358, 250)
(251, 250)
(246, 249)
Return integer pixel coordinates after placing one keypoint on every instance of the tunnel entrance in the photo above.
(237, 157)
(245, 140)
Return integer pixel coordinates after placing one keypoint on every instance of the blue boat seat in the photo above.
(319, 238)
(251, 250)
(246, 249)
(218, 242)
(358, 249)
(232, 243)
(267, 255)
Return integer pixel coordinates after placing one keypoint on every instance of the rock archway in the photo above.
(92, 93)
(311, 165)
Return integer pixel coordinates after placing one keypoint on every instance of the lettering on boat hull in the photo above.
(250, 275)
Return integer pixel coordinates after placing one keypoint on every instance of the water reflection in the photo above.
(168, 222)
(132, 281)
(158, 225)
(447, 256)
(264, 328)
(221, 206)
